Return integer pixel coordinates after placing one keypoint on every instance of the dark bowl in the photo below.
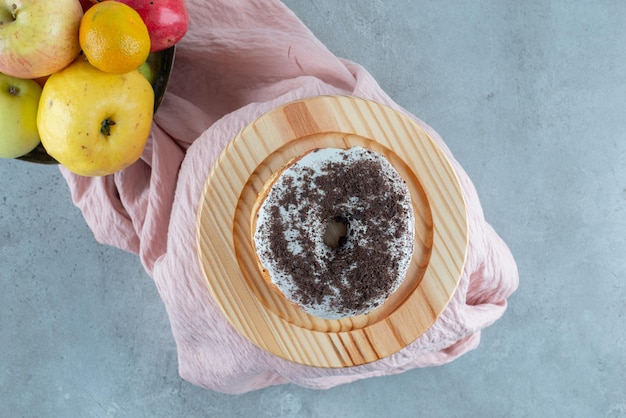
(161, 63)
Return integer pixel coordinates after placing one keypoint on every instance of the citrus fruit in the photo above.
(113, 37)
(93, 122)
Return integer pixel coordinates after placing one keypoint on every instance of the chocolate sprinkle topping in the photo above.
(365, 264)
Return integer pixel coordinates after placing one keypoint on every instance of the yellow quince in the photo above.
(92, 122)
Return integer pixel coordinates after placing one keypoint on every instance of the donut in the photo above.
(333, 232)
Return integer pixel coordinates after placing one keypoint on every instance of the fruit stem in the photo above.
(14, 11)
(105, 127)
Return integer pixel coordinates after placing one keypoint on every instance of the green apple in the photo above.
(38, 37)
(148, 72)
(19, 101)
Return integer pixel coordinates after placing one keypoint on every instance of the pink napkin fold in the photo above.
(240, 59)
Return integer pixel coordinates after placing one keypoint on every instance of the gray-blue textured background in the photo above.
(530, 96)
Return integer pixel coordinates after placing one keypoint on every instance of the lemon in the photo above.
(113, 37)
(93, 122)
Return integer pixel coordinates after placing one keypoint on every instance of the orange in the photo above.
(113, 37)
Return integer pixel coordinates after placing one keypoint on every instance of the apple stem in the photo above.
(105, 127)
(14, 11)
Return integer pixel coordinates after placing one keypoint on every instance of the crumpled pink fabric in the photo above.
(240, 59)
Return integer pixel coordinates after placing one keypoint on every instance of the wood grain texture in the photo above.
(226, 221)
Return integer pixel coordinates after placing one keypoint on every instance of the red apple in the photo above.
(38, 38)
(167, 20)
(86, 4)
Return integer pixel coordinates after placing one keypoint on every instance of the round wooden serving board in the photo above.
(226, 248)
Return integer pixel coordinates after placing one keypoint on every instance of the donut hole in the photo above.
(336, 233)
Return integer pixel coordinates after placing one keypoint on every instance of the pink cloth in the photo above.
(240, 59)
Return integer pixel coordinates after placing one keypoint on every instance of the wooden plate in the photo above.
(230, 264)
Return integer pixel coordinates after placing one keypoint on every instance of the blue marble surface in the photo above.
(531, 99)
